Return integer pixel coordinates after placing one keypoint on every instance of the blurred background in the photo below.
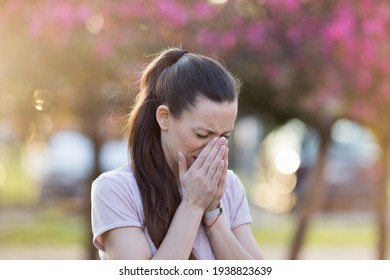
(311, 142)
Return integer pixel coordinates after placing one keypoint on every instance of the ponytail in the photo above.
(157, 184)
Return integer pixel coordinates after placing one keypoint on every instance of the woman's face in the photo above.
(195, 128)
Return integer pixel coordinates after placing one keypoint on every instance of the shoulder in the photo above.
(120, 181)
(122, 173)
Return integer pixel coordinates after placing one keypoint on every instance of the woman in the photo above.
(176, 199)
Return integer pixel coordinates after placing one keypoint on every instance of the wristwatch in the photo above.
(216, 212)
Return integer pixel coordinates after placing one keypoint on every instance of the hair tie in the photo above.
(182, 53)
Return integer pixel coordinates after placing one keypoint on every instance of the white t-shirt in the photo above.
(116, 202)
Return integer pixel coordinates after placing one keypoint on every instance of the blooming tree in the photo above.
(313, 60)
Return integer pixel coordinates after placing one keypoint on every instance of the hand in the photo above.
(222, 184)
(201, 183)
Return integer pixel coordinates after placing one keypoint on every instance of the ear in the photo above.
(162, 116)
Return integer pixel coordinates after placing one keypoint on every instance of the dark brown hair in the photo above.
(174, 78)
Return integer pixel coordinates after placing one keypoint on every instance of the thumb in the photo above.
(182, 165)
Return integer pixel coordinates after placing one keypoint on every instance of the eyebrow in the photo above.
(212, 132)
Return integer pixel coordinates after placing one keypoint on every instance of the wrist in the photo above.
(191, 208)
(213, 205)
(213, 213)
(211, 217)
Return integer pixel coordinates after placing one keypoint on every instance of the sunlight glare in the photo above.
(264, 196)
(261, 195)
(217, 2)
(287, 161)
(284, 183)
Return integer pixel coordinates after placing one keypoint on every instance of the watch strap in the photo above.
(216, 212)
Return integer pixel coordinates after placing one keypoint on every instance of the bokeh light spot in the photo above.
(283, 183)
(263, 195)
(217, 2)
(94, 23)
(42, 99)
(287, 161)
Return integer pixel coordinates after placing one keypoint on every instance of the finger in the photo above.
(214, 154)
(226, 163)
(203, 154)
(218, 174)
(222, 182)
(216, 162)
(226, 158)
(225, 169)
(221, 185)
(182, 165)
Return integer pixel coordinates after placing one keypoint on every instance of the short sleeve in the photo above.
(114, 205)
(240, 212)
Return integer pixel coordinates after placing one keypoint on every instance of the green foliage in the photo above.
(18, 187)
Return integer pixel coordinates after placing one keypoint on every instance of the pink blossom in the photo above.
(284, 5)
(374, 27)
(206, 37)
(383, 66)
(364, 80)
(363, 111)
(367, 50)
(292, 5)
(131, 9)
(294, 33)
(272, 72)
(173, 12)
(384, 91)
(82, 13)
(104, 49)
(35, 28)
(255, 35)
(203, 10)
(14, 6)
(341, 27)
(228, 39)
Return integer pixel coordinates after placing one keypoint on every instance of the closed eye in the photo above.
(201, 136)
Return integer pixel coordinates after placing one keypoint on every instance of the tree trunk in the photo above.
(91, 251)
(313, 195)
(381, 201)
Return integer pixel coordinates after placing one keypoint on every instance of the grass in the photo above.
(51, 233)
(51, 226)
(327, 230)
(48, 227)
